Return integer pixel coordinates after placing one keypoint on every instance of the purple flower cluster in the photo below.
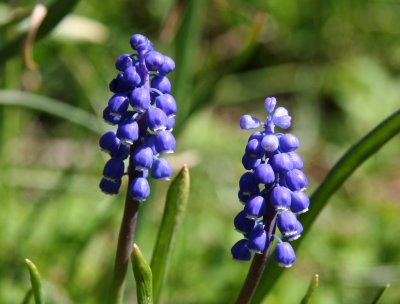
(274, 165)
(143, 111)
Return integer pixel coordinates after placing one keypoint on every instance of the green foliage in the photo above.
(143, 277)
(175, 207)
(311, 289)
(335, 65)
(35, 282)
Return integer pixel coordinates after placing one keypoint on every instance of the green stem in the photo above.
(342, 170)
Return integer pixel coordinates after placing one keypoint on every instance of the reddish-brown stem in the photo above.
(127, 229)
(259, 261)
(125, 242)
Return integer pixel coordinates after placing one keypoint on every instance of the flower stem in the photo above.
(259, 261)
(125, 243)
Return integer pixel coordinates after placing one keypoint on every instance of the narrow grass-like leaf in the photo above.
(313, 286)
(143, 277)
(27, 297)
(175, 206)
(35, 282)
(341, 171)
(380, 294)
(51, 106)
(187, 42)
(56, 12)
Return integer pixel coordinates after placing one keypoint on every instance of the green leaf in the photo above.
(35, 282)
(143, 277)
(379, 296)
(341, 171)
(313, 285)
(175, 206)
(55, 14)
(27, 297)
(51, 106)
(187, 42)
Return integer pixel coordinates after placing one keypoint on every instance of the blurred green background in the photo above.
(334, 64)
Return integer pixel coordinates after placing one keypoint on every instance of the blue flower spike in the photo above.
(273, 187)
(142, 111)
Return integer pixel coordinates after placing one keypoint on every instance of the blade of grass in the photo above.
(313, 286)
(187, 42)
(51, 106)
(143, 277)
(341, 171)
(56, 12)
(380, 294)
(35, 282)
(27, 297)
(175, 206)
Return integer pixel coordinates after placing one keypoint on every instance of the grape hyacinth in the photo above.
(143, 111)
(272, 191)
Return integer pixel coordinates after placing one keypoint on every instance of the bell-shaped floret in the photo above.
(118, 104)
(248, 183)
(140, 99)
(255, 207)
(122, 152)
(123, 62)
(114, 169)
(281, 162)
(150, 141)
(167, 104)
(287, 223)
(139, 42)
(156, 119)
(128, 131)
(269, 104)
(110, 186)
(161, 169)
(111, 118)
(132, 77)
(264, 174)
(109, 142)
(154, 60)
(284, 254)
(170, 123)
(240, 251)
(280, 198)
(281, 118)
(165, 142)
(300, 202)
(242, 223)
(270, 143)
(296, 180)
(254, 149)
(288, 142)
(161, 83)
(258, 239)
(250, 163)
(142, 158)
(297, 234)
(167, 67)
(248, 122)
(256, 135)
(139, 189)
(296, 160)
